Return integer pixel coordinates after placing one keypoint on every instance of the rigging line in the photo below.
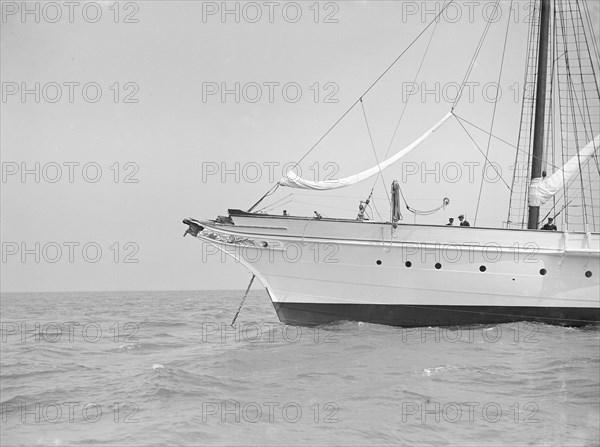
(573, 96)
(374, 150)
(281, 204)
(406, 103)
(552, 106)
(560, 13)
(550, 212)
(494, 136)
(563, 196)
(267, 194)
(579, 46)
(569, 107)
(559, 57)
(487, 160)
(374, 83)
(530, 135)
(272, 205)
(428, 212)
(586, 12)
(267, 210)
(487, 151)
(375, 208)
(416, 211)
(322, 206)
(522, 124)
(582, 83)
(474, 58)
(326, 194)
(435, 20)
(403, 198)
(414, 80)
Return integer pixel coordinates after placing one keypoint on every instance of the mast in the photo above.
(540, 105)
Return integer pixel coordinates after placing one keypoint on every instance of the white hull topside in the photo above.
(313, 265)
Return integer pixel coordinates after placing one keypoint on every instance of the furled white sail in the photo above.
(543, 189)
(292, 180)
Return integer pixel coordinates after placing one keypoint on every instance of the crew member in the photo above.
(463, 222)
(451, 222)
(549, 226)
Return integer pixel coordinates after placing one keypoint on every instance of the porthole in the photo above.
(408, 264)
(482, 268)
(588, 274)
(542, 272)
(378, 262)
(438, 265)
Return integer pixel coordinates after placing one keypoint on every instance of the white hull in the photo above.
(317, 271)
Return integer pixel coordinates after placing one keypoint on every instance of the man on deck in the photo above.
(549, 226)
(451, 222)
(463, 222)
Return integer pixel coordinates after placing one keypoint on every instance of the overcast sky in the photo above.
(127, 130)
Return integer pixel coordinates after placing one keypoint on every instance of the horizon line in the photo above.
(115, 291)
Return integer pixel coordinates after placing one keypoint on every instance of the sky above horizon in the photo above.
(118, 120)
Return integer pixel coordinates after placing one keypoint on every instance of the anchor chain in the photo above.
(243, 299)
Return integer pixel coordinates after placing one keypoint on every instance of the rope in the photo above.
(588, 114)
(486, 159)
(474, 58)
(374, 83)
(267, 194)
(243, 299)
(274, 204)
(269, 209)
(435, 19)
(406, 103)
(550, 212)
(374, 151)
(487, 150)
(445, 202)
(592, 33)
(497, 138)
(376, 210)
(572, 105)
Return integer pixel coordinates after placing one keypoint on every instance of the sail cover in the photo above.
(292, 180)
(543, 189)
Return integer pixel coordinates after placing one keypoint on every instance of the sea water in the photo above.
(166, 368)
